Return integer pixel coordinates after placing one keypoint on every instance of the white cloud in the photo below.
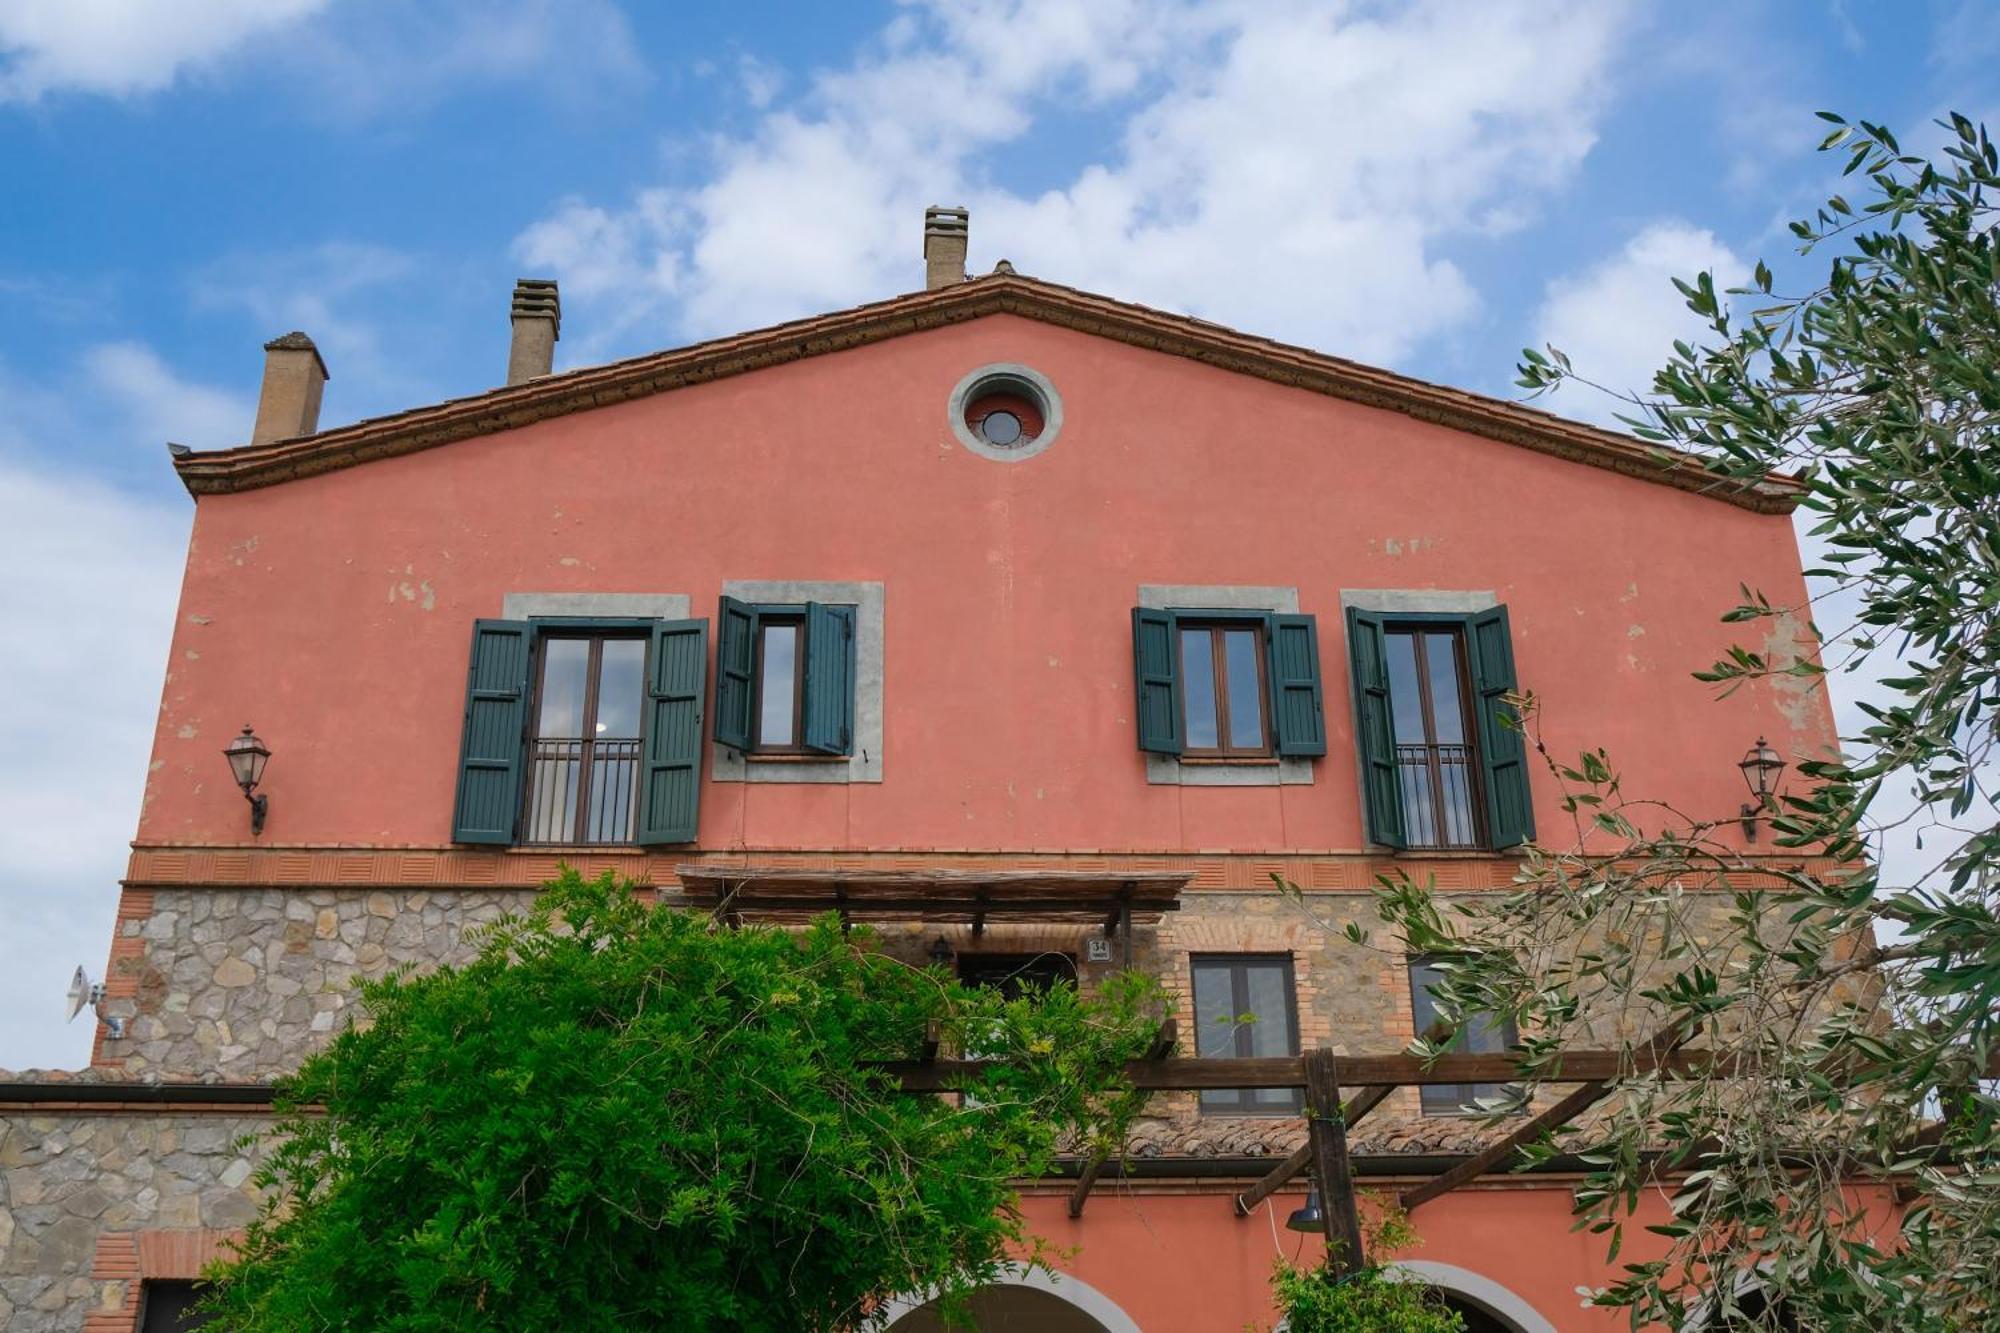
(357, 58)
(119, 48)
(101, 575)
(152, 405)
(1618, 318)
(1288, 167)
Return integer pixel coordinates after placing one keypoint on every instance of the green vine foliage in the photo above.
(620, 1117)
(1836, 1168)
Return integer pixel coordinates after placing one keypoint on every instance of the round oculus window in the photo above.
(1006, 413)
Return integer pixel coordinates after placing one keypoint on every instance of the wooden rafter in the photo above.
(1364, 1101)
(1160, 1048)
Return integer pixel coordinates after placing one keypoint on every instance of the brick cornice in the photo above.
(157, 866)
(254, 466)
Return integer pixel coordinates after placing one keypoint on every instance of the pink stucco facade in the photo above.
(333, 612)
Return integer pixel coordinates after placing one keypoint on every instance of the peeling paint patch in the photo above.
(420, 593)
(239, 552)
(1631, 594)
(570, 561)
(1788, 640)
(1395, 546)
(186, 733)
(201, 620)
(193, 656)
(1635, 631)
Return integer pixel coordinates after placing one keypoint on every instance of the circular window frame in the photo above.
(1005, 377)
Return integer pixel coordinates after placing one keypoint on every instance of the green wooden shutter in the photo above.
(1503, 757)
(1298, 712)
(735, 672)
(670, 755)
(1156, 659)
(828, 724)
(491, 752)
(1374, 729)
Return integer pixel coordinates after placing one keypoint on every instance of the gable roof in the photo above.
(251, 466)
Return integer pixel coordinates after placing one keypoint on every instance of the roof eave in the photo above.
(254, 466)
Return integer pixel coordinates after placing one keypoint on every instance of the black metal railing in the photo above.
(581, 791)
(1440, 795)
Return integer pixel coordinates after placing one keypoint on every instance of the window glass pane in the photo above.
(1246, 689)
(169, 1307)
(1406, 703)
(1214, 1010)
(1271, 1033)
(1447, 709)
(1198, 688)
(564, 664)
(621, 684)
(779, 664)
(1480, 1035)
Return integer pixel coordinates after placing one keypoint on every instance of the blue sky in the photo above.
(1427, 187)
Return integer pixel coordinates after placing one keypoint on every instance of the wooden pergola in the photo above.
(1112, 900)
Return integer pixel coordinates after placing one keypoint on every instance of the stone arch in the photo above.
(1030, 1292)
(1476, 1294)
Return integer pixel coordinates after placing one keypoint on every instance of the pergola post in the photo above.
(1327, 1133)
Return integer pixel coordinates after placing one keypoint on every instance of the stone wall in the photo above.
(83, 1193)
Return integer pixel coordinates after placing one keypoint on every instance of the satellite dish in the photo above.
(79, 993)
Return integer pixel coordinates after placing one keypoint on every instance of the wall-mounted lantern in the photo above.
(941, 952)
(1761, 767)
(247, 756)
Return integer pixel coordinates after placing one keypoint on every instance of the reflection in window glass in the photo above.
(565, 668)
(778, 689)
(1480, 1036)
(1198, 683)
(1246, 691)
(1406, 700)
(1447, 709)
(621, 684)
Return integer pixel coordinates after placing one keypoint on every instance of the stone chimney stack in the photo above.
(294, 377)
(945, 234)
(537, 325)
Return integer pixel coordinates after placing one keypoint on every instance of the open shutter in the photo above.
(1298, 713)
(496, 714)
(735, 670)
(1156, 660)
(1374, 729)
(670, 755)
(828, 724)
(1503, 758)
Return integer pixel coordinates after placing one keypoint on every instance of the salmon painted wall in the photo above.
(334, 613)
(1182, 1263)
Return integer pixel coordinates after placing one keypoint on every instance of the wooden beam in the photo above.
(1568, 1108)
(1084, 1181)
(1301, 1157)
(1327, 1136)
(1363, 1101)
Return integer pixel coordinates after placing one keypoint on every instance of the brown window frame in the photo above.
(796, 620)
(1475, 769)
(596, 637)
(1214, 626)
(1209, 1099)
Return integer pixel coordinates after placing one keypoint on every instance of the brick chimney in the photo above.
(537, 325)
(945, 233)
(294, 377)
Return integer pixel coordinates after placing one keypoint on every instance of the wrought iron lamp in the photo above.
(1761, 767)
(247, 756)
(941, 952)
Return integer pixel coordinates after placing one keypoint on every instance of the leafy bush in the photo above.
(1370, 1301)
(619, 1117)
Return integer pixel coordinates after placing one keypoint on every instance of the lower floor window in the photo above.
(1244, 1006)
(167, 1306)
(1480, 1035)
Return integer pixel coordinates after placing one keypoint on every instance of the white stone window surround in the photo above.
(1390, 601)
(1166, 770)
(865, 764)
(595, 605)
(1036, 385)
